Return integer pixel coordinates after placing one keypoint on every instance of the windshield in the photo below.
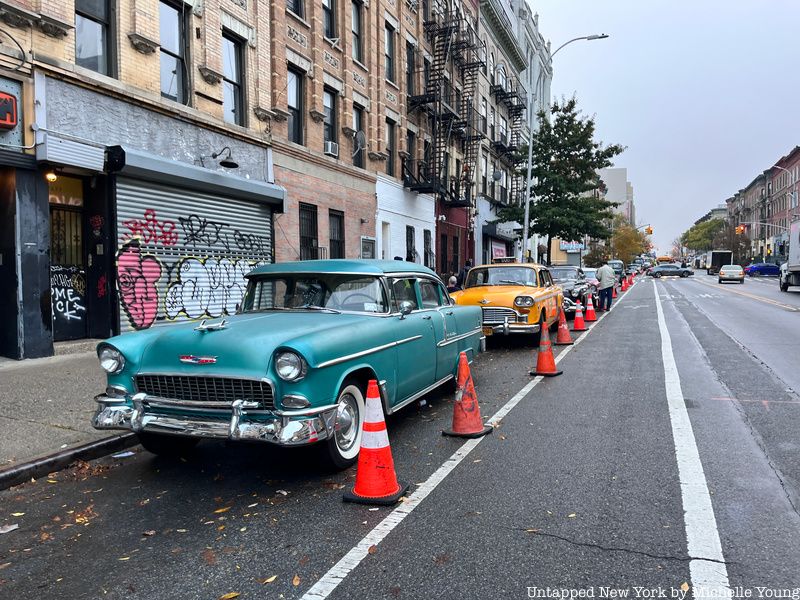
(590, 273)
(351, 293)
(501, 276)
(563, 273)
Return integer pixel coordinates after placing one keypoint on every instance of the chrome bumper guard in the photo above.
(505, 327)
(285, 427)
(569, 305)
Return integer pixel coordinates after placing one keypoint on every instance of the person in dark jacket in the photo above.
(462, 276)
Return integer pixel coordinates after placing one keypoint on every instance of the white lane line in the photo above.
(707, 565)
(338, 572)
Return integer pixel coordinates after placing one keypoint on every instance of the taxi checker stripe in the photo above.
(374, 440)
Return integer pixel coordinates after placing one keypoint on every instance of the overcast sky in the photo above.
(704, 93)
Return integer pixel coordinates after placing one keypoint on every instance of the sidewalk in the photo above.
(46, 404)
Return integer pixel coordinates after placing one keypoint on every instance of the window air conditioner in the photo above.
(332, 149)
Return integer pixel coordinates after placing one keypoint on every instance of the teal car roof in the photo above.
(342, 265)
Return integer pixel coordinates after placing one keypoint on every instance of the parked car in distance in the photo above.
(292, 366)
(618, 266)
(573, 282)
(731, 273)
(759, 269)
(515, 298)
(591, 276)
(670, 269)
(632, 269)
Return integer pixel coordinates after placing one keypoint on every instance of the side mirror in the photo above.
(405, 308)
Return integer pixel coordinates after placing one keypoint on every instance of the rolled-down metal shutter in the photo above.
(182, 254)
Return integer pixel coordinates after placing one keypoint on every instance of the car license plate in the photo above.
(488, 331)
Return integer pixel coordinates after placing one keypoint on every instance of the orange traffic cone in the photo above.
(630, 280)
(578, 323)
(614, 291)
(376, 481)
(590, 314)
(466, 412)
(624, 284)
(563, 338)
(545, 363)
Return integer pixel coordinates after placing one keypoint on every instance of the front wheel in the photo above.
(341, 449)
(167, 445)
(684, 274)
(657, 275)
(719, 281)
(784, 286)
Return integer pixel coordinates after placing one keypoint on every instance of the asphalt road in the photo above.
(579, 486)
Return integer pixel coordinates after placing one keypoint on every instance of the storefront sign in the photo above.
(8, 111)
(570, 246)
(498, 249)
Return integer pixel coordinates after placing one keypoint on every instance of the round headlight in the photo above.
(524, 301)
(111, 359)
(290, 366)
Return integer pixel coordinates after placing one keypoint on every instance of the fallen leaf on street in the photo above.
(571, 515)
(532, 530)
(296, 580)
(8, 528)
(17, 514)
(149, 532)
(372, 549)
(4, 565)
(229, 596)
(209, 557)
(267, 580)
(124, 558)
(373, 509)
(282, 492)
(52, 481)
(222, 510)
(253, 505)
(181, 530)
(685, 586)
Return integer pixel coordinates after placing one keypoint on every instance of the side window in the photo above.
(544, 278)
(429, 290)
(403, 291)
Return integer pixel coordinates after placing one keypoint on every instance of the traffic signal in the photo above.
(648, 230)
(739, 229)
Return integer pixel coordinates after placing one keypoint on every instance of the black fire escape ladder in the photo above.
(517, 108)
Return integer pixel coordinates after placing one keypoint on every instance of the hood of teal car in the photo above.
(244, 346)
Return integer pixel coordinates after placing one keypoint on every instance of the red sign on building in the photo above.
(8, 111)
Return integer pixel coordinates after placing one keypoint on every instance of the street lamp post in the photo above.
(792, 190)
(531, 114)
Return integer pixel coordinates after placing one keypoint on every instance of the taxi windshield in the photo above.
(501, 276)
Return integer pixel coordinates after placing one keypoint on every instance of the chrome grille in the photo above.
(192, 388)
(497, 316)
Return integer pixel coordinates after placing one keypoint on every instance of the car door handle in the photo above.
(427, 317)
(449, 312)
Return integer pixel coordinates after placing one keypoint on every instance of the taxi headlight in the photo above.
(111, 360)
(290, 366)
(523, 301)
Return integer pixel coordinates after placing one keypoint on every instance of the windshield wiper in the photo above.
(321, 308)
(510, 282)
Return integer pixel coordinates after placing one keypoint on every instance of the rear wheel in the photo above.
(340, 451)
(657, 275)
(167, 445)
(784, 286)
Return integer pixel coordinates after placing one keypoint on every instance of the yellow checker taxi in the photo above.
(515, 297)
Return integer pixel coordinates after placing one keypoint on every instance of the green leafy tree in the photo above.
(700, 237)
(566, 159)
(627, 241)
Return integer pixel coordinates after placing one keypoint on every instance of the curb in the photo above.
(60, 460)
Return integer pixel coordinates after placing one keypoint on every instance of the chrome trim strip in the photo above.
(421, 393)
(457, 338)
(171, 402)
(303, 412)
(341, 359)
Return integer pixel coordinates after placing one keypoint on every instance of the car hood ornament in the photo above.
(484, 301)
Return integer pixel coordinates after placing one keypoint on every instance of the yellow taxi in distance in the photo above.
(515, 297)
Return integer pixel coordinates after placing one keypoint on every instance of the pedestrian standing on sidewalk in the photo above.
(606, 279)
(463, 274)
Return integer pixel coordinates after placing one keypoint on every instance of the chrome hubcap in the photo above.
(346, 422)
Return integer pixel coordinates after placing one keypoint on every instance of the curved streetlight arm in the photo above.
(597, 36)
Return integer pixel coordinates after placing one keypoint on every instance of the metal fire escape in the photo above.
(513, 96)
(451, 112)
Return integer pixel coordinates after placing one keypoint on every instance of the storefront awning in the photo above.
(142, 165)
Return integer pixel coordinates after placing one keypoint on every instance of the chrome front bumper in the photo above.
(506, 328)
(282, 427)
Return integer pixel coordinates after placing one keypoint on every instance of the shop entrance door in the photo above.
(67, 260)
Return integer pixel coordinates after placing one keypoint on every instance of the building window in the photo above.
(329, 18)
(294, 91)
(358, 125)
(426, 73)
(484, 173)
(232, 79)
(390, 147)
(93, 35)
(428, 258)
(356, 29)
(309, 245)
(388, 50)
(336, 223)
(455, 260)
(411, 244)
(296, 6)
(411, 66)
(411, 144)
(329, 121)
(443, 254)
(172, 32)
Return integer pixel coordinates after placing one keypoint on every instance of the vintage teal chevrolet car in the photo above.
(292, 366)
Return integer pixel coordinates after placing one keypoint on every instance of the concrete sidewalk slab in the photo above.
(46, 405)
